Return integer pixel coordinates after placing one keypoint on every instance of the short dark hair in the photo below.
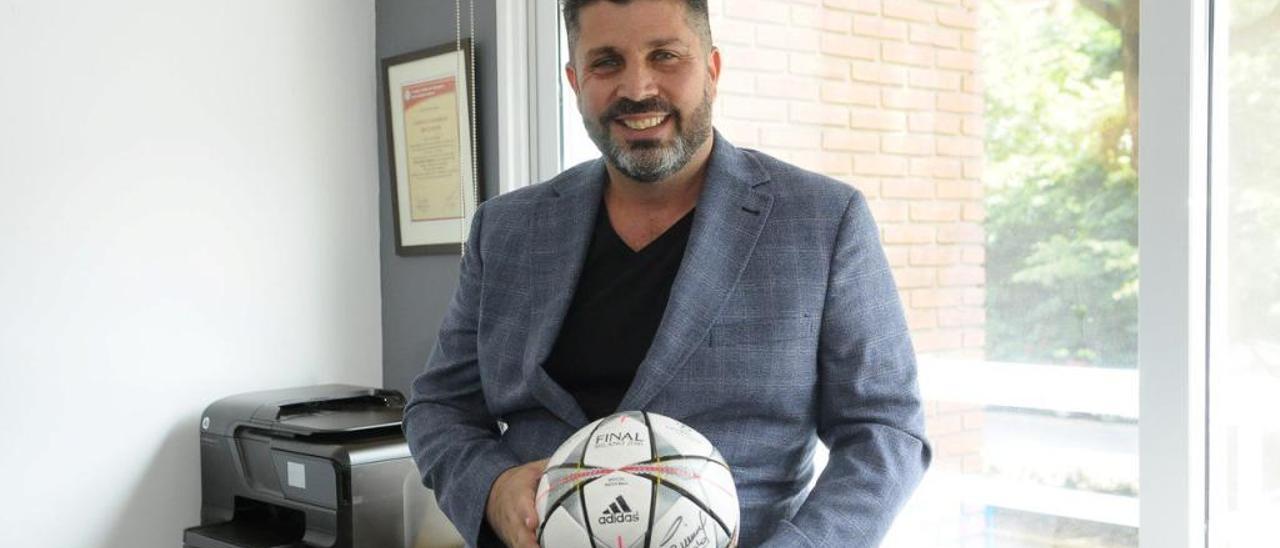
(695, 11)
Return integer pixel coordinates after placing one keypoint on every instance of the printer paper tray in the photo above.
(233, 534)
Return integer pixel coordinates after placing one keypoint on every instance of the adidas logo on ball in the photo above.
(619, 512)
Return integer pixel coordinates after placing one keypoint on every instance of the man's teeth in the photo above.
(644, 123)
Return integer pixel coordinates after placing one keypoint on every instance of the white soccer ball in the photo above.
(637, 480)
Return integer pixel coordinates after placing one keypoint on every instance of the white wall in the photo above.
(188, 209)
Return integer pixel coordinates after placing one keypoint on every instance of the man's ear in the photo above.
(713, 64)
(572, 76)
(713, 69)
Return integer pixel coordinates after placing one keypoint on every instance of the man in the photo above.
(718, 286)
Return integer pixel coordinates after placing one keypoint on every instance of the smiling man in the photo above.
(743, 296)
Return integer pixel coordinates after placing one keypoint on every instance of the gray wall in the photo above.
(416, 289)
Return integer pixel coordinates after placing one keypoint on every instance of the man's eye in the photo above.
(664, 56)
(607, 62)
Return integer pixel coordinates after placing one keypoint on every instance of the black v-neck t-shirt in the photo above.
(616, 309)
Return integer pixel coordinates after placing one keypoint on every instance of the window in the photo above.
(998, 142)
(996, 145)
(1244, 432)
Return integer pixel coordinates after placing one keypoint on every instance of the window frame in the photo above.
(1173, 202)
(528, 67)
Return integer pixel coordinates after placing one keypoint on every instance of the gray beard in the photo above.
(651, 161)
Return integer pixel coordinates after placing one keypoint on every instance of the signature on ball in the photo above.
(696, 537)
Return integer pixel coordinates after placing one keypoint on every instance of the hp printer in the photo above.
(315, 467)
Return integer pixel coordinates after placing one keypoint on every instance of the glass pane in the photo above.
(996, 143)
(576, 146)
(1244, 377)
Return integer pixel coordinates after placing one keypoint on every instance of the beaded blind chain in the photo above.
(471, 85)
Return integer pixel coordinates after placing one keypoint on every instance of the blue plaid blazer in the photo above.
(783, 329)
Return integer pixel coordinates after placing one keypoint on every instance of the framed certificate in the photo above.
(435, 189)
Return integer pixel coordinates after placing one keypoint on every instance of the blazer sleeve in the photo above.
(454, 440)
(869, 405)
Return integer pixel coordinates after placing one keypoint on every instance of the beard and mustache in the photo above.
(651, 160)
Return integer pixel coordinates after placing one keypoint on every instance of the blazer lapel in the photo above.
(729, 217)
(561, 233)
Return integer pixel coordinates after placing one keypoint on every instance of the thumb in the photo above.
(530, 515)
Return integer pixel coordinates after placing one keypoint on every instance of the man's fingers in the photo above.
(531, 519)
(526, 540)
(511, 504)
(527, 506)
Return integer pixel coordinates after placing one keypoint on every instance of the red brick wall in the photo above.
(885, 95)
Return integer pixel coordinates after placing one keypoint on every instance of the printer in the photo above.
(314, 467)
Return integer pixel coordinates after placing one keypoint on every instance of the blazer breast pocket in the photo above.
(761, 332)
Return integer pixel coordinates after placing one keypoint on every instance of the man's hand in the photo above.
(510, 510)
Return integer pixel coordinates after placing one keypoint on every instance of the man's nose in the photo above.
(638, 83)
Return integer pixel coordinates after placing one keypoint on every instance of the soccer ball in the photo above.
(637, 480)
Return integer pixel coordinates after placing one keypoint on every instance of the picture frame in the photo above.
(429, 98)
